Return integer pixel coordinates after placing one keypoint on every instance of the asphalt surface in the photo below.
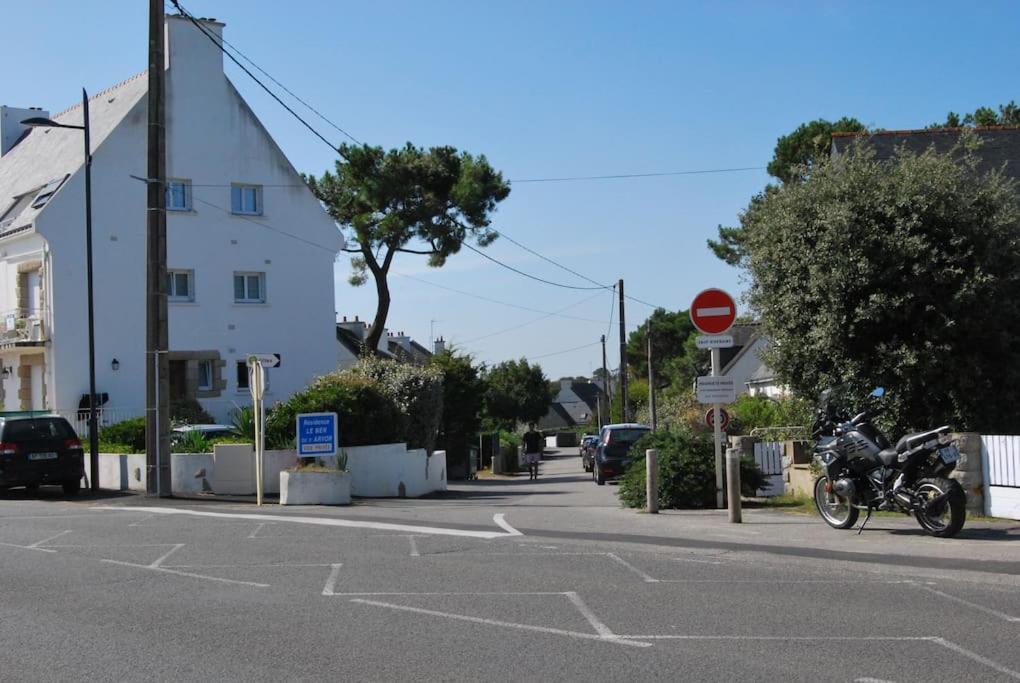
(498, 580)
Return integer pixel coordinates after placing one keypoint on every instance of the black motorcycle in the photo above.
(861, 471)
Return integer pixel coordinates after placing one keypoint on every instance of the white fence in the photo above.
(105, 417)
(1001, 458)
(768, 455)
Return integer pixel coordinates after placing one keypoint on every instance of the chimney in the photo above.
(402, 339)
(438, 346)
(11, 129)
(359, 328)
(189, 52)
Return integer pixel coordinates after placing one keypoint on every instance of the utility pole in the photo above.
(606, 390)
(651, 377)
(624, 399)
(157, 367)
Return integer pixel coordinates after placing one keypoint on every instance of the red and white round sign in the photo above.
(710, 419)
(713, 311)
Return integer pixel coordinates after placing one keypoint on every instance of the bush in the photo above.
(188, 411)
(367, 415)
(191, 442)
(111, 447)
(416, 391)
(129, 433)
(243, 422)
(686, 471)
(779, 416)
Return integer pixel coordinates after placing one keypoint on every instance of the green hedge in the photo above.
(129, 434)
(686, 471)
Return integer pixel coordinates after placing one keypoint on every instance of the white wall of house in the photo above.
(213, 140)
(746, 364)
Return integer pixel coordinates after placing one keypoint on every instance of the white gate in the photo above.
(769, 457)
(1002, 475)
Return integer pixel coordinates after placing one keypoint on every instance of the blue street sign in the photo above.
(317, 434)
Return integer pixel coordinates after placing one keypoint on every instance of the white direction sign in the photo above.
(716, 390)
(267, 360)
(714, 341)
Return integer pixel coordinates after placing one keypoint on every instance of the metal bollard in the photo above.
(733, 483)
(652, 480)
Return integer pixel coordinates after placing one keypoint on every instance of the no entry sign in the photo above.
(713, 311)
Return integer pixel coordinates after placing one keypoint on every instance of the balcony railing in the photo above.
(23, 325)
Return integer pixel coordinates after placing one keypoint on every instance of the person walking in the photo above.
(532, 450)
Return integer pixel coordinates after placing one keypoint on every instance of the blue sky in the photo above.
(550, 89)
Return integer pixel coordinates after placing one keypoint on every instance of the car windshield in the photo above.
(38, 428)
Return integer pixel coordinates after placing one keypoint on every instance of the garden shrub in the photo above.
(191, 442)
(416, 391)
(686, 471)
(129, 433)
(188, 411)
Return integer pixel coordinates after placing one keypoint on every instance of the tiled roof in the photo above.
(45, 154)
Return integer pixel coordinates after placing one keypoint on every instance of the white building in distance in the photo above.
(249, 249)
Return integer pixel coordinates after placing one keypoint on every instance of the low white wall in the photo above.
(393, 471)
(119, 471)
(191, 472)
(1003, 501)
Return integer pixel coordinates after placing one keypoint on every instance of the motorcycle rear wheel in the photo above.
(835, 510)
(948, 517)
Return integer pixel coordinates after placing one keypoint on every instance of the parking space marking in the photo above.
(332, 521)
(981, 659)
(27, 547)
(245, 566)
(502, 624)
(644, 577)
(330, 586)
(38, 544)
(414, 547)
(158, 562)
(596, 623)
(258, 528)
(987, 610)
(167, 570)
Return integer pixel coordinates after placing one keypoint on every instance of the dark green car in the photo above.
(40, 449)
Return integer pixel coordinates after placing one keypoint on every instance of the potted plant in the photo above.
(315, 483)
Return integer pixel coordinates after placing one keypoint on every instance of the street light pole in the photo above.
(42, 122)
(93, 427)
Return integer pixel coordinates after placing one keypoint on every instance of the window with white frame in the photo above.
(205, 375)
(180, 285)
(249, 288)
(178, 195)
(246, 199)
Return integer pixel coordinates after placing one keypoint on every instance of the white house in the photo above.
(750, 374)
(249, 249)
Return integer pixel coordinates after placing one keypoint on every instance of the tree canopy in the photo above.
(516, 391)
(1007, 115)
(900, 273)
(799, 152)
(407, 200)
(670, 334)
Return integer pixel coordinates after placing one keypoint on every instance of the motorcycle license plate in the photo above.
(949, 454)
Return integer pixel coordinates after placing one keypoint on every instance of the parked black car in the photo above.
(612, 452)
(40, 449)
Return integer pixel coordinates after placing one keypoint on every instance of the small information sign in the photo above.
(716, 390)
(317, 434)
(714, 341)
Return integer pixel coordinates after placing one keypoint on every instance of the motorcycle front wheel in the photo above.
(946, 518)
(835, 510)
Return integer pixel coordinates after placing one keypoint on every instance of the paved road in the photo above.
(499, 579)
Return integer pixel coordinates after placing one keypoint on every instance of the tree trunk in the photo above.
(382, 309)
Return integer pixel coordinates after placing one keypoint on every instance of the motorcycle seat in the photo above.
(911, 440)
(888, 456)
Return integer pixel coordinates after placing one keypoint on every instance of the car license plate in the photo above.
(42, 456)
(949, 454)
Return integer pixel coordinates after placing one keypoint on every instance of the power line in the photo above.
(494, 301)
(612, 311)
(521, 272)
(559, 353)
(530, 322)
(234, 59)
(544, 258)
(619, 176)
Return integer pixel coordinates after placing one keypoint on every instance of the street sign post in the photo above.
(713, 312)
(267, 360)
(317, 435)
(710, 418)
(257, 364)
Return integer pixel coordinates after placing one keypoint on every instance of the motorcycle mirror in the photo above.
(879, 392)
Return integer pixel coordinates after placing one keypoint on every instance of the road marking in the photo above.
(143, 519)
(414, 547)
(968, 603)
(919, 639)
(645, 577)
(27, 547)
(257, 530)
(948, 644)
(502, 624)
(157, 563)
(448, 593)
(872, 680)
(330, 521)
(165, 570)
(38, 544)
(242, 566)
(691, 559)
(586, 612)
(500, 520)
(334, 574)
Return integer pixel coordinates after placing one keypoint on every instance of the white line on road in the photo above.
(328, 521)
(586, 612)
(503, 624)
(143, 519)
(950, 645)
(165, 570)
(872, 680)
(449, 594)
(334, 574)
(645, 577)
(500, 520)
(243, 566)
(157, 563)
(968, 603)
(414, 547)
(257, 530)
(27, 547)
(38, 544)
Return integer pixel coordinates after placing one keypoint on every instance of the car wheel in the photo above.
(599, 479)
(71, 487)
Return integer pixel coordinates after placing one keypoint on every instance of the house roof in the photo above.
(46, 154)
(556, 417)
(349, 341)
(1000, 144)
(588, 392)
